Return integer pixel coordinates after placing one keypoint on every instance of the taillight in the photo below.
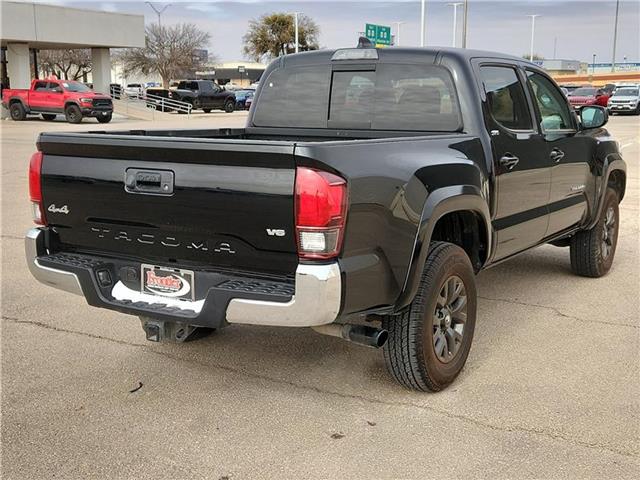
(35, 189)
(321, 208)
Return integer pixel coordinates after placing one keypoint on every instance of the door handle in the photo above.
(556, 155)
(509, 160)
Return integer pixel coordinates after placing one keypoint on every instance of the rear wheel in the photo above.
(229, 106)
(17, 112)
(73, 114)
(430, 341)
(592, 250)
(49, 116)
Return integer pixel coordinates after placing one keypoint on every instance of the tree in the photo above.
(273, 35)
(67, 64)
(169, 52)
(536, 56)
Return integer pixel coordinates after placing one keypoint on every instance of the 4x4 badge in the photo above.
(63, 209)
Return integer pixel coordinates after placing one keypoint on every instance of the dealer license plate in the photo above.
(168, 282)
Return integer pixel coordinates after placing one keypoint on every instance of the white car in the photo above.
(134, 90)
(625, 99)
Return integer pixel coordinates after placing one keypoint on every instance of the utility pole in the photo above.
(593, 65)
(295, 16)
(158, 12)
(422, 22)
(398, 24)
(555, 47)
(615, 37)
(464, 24)
(533, 31)
(455, 23)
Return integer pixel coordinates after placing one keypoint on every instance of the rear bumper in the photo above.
(314, 299)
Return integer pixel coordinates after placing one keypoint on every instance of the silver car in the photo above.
(625, 99)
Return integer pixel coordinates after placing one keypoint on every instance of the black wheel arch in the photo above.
(456, 214)
(614, 175)
(15, 100)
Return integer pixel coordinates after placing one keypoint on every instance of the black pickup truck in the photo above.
(366, 191)
(205, 95)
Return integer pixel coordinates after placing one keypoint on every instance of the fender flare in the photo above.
(70, 102)
(613, 162)
(438, 204)
(19, 100)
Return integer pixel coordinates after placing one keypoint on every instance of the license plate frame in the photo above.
(167, 282)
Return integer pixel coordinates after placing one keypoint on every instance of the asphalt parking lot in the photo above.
(551, 388)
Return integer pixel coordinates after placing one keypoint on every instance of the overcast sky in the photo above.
(581, 28)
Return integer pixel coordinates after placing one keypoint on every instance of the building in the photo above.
(29, 27)
(240, 73)
(561, 67)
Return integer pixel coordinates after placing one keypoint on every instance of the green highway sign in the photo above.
(378, 34)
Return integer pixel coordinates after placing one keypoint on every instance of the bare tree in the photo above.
(169, 52)
(273, 35)
(67, 64)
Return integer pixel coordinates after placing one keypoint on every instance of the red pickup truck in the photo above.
(50, 97)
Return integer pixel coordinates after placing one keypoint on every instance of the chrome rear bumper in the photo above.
(316, 301)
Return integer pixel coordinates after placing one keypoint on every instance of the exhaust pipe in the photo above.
(360, 334)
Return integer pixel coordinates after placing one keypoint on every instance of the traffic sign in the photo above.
(378, 34)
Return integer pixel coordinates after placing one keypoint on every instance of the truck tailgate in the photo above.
(214, 203)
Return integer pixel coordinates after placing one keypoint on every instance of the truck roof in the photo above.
(408, 54)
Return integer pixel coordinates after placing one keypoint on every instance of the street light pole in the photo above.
(455, 20)
(464, 24)
(533, 31)
(397, 42)
(593, 64)
(615, 37)
(422, 22)
(295, 15)
(158, 12)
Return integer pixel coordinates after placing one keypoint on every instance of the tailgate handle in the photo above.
(150, 182)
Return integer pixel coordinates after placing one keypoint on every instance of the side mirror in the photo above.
(593, 116)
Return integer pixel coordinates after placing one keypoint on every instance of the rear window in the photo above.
(389, 97)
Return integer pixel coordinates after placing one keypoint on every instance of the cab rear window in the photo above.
(386, 97)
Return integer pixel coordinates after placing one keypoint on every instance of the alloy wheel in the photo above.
(449, 319)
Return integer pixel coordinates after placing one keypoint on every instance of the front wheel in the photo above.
(430, 341)
(229, 106)
(73, 114)
(592, 250)
(104, 118)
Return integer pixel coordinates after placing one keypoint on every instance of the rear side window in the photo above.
(387, 97)
(40, 86)
(505, 96)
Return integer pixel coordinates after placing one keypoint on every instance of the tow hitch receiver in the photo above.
(161, 331)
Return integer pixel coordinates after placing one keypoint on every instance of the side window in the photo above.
(552, 104)
(54, 87)
(40, 86)
(506, 98)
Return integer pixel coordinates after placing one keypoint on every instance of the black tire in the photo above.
(73, 114)
(17, 112)
(206, 110)
(411, 352)
(104, 118)
(592, 250)
(49, 116)
(229, 106)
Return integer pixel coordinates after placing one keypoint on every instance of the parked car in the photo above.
(156, 95)
(52, 97)
(204, 95)
(625, 99)
(134, 90)
(241, 98)
(247, 102)
(569, 87)
(366, 221)
(588, 96)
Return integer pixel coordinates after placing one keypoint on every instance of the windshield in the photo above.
(75, 87)
(389, 97)
(627, 92)
(583, 92)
